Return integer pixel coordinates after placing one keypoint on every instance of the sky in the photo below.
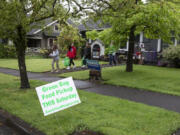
(144, 1)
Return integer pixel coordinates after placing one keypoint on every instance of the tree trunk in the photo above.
(129, 63)
(20, 44)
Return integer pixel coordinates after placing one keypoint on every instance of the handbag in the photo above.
(66, 61)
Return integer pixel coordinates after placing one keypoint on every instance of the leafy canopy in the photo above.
(68, 35)
(27, 13)
(156, 18)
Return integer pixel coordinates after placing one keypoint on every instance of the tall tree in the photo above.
(16, 17)
(156, 18)
(69, 34)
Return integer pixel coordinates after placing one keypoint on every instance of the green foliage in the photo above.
(157, 19)
(19, 17)
(106, 36)
(106, 51)
(7, 51)
(172, 54)
(69, 35)
(92, 34)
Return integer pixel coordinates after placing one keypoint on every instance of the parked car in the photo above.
(122, 51)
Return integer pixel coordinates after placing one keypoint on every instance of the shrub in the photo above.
(45, 52)
(7, 51)
(172, 54)
(106, 51)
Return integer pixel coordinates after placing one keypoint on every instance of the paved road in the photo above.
(165, 101)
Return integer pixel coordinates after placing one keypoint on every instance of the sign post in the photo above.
(95, 69)
(57, 96)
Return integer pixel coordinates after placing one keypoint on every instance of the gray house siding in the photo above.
(150, 44)
(43, 37)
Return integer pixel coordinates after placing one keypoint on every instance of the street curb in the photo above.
(19, 125)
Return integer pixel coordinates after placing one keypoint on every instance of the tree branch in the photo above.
(34, 19)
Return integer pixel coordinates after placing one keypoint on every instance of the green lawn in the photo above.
(35, 64)
(111, 116)
(165, 80)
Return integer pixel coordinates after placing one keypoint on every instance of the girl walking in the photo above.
(71, 56)
(55, 56)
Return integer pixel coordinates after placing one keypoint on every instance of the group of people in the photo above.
(71, 54)
(85, 54)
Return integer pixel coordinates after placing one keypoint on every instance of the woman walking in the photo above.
(55, 56)
(71, 56)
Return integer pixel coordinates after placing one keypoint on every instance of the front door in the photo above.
(96, 51)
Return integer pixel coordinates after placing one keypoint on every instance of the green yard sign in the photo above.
(57, 96)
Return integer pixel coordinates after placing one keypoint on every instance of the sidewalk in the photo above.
(6, 130)
(165, 101)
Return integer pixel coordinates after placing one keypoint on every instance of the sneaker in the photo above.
(52, 71)
(57, 70)
(68, 67)
(74, 67)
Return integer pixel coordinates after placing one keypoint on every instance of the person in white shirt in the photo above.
(55, 56)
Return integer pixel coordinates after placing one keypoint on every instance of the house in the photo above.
(151, 47)
(43, 37)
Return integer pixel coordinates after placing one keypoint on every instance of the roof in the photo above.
(91, 25)
(38, 27)
(51, 34)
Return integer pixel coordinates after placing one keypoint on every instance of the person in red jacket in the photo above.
(71, 55)
(73, 49)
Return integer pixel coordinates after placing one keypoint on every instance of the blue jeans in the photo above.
(112, 59)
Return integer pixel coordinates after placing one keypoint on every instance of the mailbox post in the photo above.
(95, 70)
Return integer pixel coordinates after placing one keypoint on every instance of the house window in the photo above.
(51, 42)
(56, 28)
(96, 51)
(34, 42)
